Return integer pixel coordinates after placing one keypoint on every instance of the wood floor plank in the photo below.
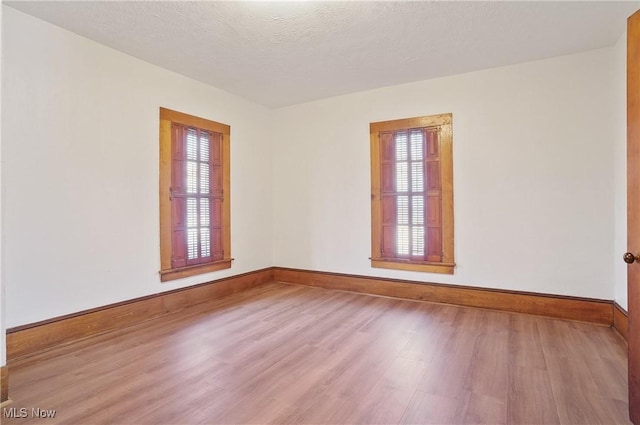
(480, 409)
(525, 347)
(447, 372)
(426, 408)
(488, 376)
(530, 397)
(286, 354)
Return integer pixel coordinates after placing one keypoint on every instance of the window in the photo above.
(412, 194)
(194, 195)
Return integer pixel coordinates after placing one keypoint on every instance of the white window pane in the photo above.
(417, 237)
(204, 177)
(192, 212)
(204, 146)
(205, 242)
(204, 212)
(192, 144)
(417, 177)
(402, 177)
(401, 146)
(403, 240)
(192, 244)
(192, 176)
(402, 204)
(417, 210)
(416, 145)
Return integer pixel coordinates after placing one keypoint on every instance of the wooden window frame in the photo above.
(444, 123)
(167, 118)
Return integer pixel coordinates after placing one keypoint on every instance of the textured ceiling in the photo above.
(283, 53)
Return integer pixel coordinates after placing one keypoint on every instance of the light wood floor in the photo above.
(292, 354)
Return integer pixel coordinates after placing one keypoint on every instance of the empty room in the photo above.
(320, 212)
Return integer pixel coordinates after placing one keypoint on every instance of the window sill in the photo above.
(172, 274)
(442, 268)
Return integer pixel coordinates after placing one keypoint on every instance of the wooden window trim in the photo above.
(444, 121)
(167, 117)
(422, 266)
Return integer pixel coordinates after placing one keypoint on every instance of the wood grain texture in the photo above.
(226, 193)
(620, 319)
(193, 121)
(172, 274)
(446, 161)
(415, 122)
(291, 354)
(633, 209)
(31, 339)
(580, 309)
(424, 267)
(165, 194)
(4, 383)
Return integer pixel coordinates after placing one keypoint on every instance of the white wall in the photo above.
(533, 176)
(3, 345)
(80, 151)
(620, 170)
